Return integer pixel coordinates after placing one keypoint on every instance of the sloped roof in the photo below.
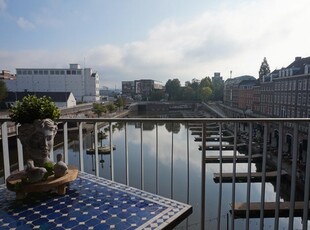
(55, 96)
(299, 65)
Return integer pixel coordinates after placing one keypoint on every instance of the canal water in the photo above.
(174, 173)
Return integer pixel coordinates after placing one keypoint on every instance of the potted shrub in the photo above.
(37, 130)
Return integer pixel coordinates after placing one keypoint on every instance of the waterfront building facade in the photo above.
(142, 87)
(82, 82)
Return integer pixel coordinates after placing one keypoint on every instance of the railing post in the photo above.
(219, 206)
(156, 160)
(203, 176)
(5, 148)
(307, 183)
(293, 177)
(96, 148)
(263, 188)
(112, 154)
(142, 165)
(249, 177)
(171, 173)
(19, 151)
(233, 194)
(126, 154)
(81, 146)
(279, 170)
(65, 148)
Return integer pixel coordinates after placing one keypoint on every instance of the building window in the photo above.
(289, 99)
(52, 72)
(19, 72)
(289, 85)
(57, 72)
(35, 72)
(68, 72)
(24, 72)
(29, 72)
(45, 72)
(305, 84)
(299, 84)
(304, 99)
(294, 85)
(40, 72)
(62, 72)
(299, 99)
(73, 72)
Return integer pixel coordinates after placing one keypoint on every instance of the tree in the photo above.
(173, 88)
(218, 89)
(264, 69)
(120, 102)
(99, 109)
(3, 90)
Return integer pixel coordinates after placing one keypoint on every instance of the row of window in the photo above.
(291, 85)
(282, 111)
(48, 72)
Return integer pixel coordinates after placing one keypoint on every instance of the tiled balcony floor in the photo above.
(91, 203)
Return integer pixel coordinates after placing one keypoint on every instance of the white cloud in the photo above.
(25, 24)
(232, 37)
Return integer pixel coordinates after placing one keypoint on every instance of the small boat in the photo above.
(105, 149)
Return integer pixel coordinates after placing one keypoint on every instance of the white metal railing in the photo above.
(280, 125)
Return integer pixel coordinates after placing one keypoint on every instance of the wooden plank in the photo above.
(269, 209)
(216, 138)
(242, 177)
(229, 159)
(224, 147)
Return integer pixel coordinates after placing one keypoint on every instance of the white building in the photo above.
(83, 83)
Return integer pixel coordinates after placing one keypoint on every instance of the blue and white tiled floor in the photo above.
(91, 203)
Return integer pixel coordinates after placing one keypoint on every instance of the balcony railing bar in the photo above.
(171, 166)
(80, 125)
(19, 151)
(65, 148)
(279, 169)
(126, 154)
(187, 166)
(5, 148)
(293, 177)
(307, 185)
(263, 187)
(219, 207)
(156, 152)
(203, 175)
(249, 177)
(112, 150)
(96, 149)
(141, 157)
(233, 193)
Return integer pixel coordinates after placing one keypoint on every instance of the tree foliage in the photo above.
(173, 89)
(3, 90)
(264, 69)
(203, 90)
(99, 109)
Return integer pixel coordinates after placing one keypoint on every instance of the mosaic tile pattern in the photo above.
(90, 203)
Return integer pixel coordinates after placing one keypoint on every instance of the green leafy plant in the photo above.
(32, 108)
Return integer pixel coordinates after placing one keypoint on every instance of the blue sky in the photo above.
(160, 40)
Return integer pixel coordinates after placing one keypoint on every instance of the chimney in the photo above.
(297, 58)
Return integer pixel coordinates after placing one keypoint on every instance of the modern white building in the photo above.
(83, 83)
